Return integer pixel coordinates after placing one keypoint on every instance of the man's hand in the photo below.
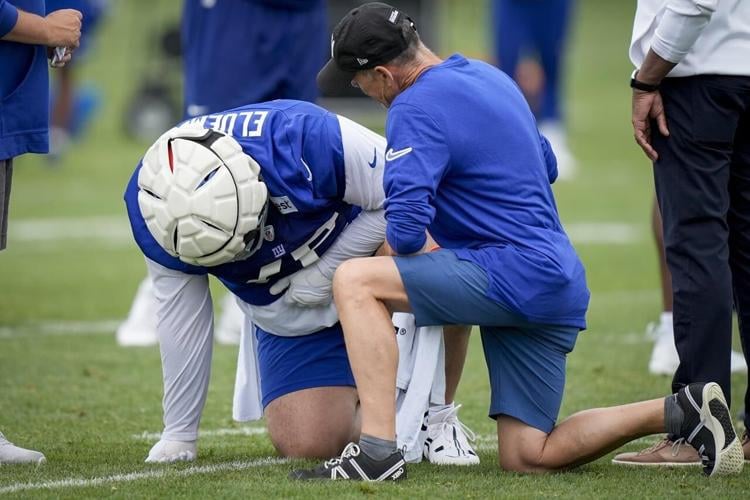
(167, 452)
(63, 28)
(648, 106)
(307, 288)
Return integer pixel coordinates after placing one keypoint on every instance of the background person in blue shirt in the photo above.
(466, 162)
(273, 47)
(25, 35)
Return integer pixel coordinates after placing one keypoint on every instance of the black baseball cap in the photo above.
(367, 36)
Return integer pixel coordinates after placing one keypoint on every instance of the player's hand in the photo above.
(59, 56)
(167, 452)
(63, 28)
(648, 106)
(307, 288)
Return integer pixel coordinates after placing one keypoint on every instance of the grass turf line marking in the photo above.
(115, 229)
(62, 327)
(138, 476)
(241, 431)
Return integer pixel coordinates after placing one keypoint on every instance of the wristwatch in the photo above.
(645, 87)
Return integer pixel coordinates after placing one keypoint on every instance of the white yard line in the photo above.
(241, 431)
(606, 233)
(115, 230)
(161, 473)
(61, 327)
(107, 228)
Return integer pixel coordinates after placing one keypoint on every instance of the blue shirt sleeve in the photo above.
(8, 17)
(550, 160)
(416, 160)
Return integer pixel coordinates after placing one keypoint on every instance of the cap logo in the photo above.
(393, 16)
(333, 42)
(362, 62)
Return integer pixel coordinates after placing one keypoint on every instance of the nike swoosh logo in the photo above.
(374, 162)
(307, 167)
(395, 155)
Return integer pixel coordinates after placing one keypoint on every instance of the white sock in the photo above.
(437, 413)
(666, 318)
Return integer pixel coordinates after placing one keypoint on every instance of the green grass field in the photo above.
(69, 391)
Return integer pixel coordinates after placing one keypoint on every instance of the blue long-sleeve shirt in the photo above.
(467, 163)
(24, 87)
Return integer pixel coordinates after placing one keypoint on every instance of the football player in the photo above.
(269, 198)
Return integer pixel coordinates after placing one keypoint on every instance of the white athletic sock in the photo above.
(437, 413)
(666, 319)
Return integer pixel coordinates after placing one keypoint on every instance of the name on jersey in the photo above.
(251, 123)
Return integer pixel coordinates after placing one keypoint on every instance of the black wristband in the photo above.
(645, 87)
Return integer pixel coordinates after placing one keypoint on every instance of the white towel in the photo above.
(248, 404)
(420, 380)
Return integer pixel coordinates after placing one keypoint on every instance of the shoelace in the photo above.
(452, 420)
(351, 450)
(659, 445)
(676, 445)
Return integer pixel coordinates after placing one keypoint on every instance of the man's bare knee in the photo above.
(349, 280)
(313, 423)
(516, 462)
(521, 447)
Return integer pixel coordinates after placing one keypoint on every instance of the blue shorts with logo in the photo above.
(526, 361)
(289, 364)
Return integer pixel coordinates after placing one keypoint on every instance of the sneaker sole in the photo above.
(730, 459)
(454, 461)
(656, 464)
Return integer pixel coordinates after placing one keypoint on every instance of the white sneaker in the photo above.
(139, 328)
(12, 454)
(229, 327)
(739, 365)
(566, 162)
(167, 452)
(664, 357)
(448, 440)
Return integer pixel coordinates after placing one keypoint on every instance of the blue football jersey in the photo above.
(299, 149)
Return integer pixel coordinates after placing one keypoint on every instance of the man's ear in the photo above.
(383, 73)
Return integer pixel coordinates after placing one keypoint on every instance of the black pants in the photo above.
(702, 181)
(6, 175)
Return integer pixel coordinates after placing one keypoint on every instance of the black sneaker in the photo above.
(707, 426)
(355, 465)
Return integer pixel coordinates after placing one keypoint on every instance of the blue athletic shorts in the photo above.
(526, 361)
(289, 364)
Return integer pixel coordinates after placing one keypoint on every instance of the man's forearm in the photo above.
(359, 239)
(654, 68)
(29, 28)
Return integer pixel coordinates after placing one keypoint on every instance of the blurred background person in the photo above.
(238, 52)
(537, 30)
(25, 36)
(73, 104)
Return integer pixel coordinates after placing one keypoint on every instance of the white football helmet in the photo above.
(202, 197)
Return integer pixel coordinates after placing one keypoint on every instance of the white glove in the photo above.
(307, 288)
(167, 452)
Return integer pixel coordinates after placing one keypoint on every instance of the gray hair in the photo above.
(412, 37)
